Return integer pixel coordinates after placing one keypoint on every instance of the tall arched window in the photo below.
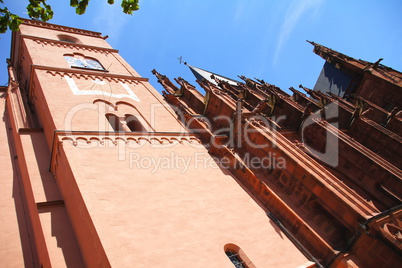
(114, 122)
(133, 123)
(237, 256)
(129, 123)
(235, 259)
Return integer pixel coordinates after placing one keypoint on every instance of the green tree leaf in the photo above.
(8, 20)
(129, 6)
(39, 9)
(74, 3)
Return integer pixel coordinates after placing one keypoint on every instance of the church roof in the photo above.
(201, 74)
(342, 61)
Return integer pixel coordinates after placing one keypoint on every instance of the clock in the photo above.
(84, 63)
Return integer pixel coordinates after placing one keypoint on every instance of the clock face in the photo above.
(92, 64)
(84, 63)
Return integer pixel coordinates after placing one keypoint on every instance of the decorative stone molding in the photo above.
(61, 28)
(63, 44)
(392, 232)
(89, 74)
(382, 129)
(129, 141)
(98, 76)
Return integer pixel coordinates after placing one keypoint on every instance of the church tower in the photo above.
(103, 173)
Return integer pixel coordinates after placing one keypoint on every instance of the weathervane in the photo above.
(180, 60)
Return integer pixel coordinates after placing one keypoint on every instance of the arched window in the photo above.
(235, 259)
(68, 38)
(237, 256)
(134, 124)
(129, 123)
(114, 122)
(79, 61)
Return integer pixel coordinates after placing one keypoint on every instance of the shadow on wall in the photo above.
(332, 80)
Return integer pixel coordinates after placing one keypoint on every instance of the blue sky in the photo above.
(256, 38)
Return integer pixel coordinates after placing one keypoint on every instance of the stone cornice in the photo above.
(81, 73)
(85, 74)
(64, 44)
(46, 25)
(88, 138)
(384, 130)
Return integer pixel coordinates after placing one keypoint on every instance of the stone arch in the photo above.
(128, 109)
(74, 54)
(107, 104)
(78, 60)
(104, 107)
(125, 103)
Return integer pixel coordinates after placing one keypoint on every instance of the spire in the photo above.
(202, 74)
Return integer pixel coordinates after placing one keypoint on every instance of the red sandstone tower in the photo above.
(100, 171)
